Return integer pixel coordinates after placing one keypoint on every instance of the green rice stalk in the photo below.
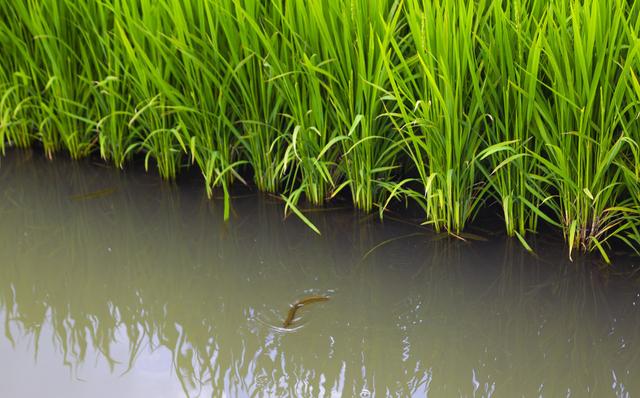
(439, 95)
(588, 75)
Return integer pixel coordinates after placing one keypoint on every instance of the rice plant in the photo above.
(361, 33)
(439, 94)
(301, 76)
(512, 49)
(526, 104)
(255, 106)
(590, 50)
(58, 69)
(208, 126)
(14, 129)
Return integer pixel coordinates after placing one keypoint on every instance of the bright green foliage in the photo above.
(439, 90)
(512, 52)
(587, 119)
(531, 105)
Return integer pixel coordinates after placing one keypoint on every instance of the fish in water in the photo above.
(301, 303)
(94, 195)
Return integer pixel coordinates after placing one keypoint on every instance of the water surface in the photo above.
(115, 284)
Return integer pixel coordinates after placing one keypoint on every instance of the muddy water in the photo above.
(113, 284)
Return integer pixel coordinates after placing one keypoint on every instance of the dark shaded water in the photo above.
(115, 284)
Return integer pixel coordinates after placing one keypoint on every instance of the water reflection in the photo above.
(149, 282)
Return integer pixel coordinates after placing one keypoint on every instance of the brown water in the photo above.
(114, 284)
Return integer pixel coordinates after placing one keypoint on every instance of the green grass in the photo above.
(587, 119)
(529, 106)
(439, 93)
(512, 53)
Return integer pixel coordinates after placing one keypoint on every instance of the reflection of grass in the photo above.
(88, 310)
(170, 282)
(173, 282)
(521, 323)
(531, 103)
(441, 324)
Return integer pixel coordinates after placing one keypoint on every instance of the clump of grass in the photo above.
(590, 51)
(455, 105)
(512, 53)
(52, 60)
(14, 129)
(208, 127)
(301, 78)
(256, 107)
(439, 92)
(14, 97)
(361, 32)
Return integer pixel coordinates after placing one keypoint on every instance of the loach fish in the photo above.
(300, 303)
(94, 195)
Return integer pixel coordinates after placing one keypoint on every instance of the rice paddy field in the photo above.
(525, 109)
(460, 183)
